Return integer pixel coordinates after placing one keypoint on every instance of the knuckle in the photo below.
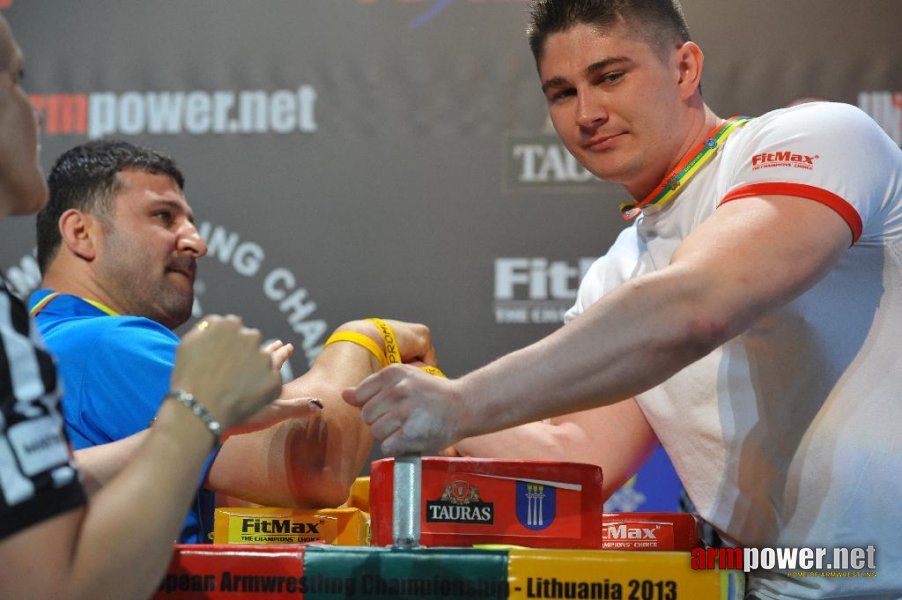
(253, 335)
(368, 413)
(397, 392)
(393, 371)
(379, 431)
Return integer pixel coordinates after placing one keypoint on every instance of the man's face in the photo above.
(22, 181)
(614, 102)
(147, 257)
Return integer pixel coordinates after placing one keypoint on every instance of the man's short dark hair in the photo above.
(659, 22)
(85, 178)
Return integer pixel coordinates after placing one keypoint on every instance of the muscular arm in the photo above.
(751, 256)
(118, 545)
(98, 465)
(616, 437)
(84, 553)
(312, 461)
(309, 461)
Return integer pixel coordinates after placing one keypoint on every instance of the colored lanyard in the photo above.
(688, 167)
(49, 297)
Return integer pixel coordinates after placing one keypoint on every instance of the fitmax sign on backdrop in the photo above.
(351, 158)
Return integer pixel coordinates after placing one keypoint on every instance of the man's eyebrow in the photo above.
(554, 82)
(607, 63)
(173, 204)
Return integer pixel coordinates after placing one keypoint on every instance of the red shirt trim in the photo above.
(800, 190)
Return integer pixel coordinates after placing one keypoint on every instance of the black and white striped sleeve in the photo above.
(37, 477)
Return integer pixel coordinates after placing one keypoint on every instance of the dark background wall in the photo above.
(352, 158)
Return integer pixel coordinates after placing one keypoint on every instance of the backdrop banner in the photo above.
(393, 158)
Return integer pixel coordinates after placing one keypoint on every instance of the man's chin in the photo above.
(612, 172)
(175, 315)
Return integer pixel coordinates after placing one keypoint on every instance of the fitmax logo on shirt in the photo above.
(98, 114)
(783, 158)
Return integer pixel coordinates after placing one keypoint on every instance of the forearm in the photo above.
(306, 462)
(617, 438)
(119, 545)
(625, 343)
(548, 441)
(328, 457)
(309, 461)
(749, 258)
(98, 465)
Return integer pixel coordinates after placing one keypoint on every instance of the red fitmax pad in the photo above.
(649, 531)
(466, 501)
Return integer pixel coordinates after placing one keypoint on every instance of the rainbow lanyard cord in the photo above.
(688, 167)
(49, 297)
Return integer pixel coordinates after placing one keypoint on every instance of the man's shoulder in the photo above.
(103, 333)
(809, 143)
(817, 117)
(113, 329)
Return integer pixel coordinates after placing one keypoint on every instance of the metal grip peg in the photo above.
(407, 492)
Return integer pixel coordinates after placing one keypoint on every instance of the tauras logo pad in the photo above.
(460, 503)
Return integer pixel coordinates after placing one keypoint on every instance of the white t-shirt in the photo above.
(790, 435)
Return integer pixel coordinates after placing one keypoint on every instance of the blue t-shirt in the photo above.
(115, 371)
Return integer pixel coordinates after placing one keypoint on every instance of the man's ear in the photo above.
(80, 233)
(690, 61)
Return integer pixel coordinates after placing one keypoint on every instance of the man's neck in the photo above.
(701, 121)
(698, 131)
(81, 288)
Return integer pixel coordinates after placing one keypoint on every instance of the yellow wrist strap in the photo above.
(360, 340)
(433, 371)
(392, 353)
